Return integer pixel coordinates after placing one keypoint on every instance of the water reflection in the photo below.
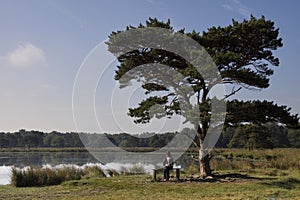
(23, 159)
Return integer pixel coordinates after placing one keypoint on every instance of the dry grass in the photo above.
(51, 176)
(237, 159)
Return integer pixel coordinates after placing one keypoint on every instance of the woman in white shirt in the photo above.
(168, 165)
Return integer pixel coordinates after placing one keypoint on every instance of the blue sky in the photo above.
(43, 44)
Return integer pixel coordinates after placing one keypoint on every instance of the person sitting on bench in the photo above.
(168, 165)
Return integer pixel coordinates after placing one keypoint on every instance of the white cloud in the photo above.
(26, 55)
(238, 7)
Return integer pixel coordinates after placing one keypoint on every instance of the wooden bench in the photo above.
(175, 168)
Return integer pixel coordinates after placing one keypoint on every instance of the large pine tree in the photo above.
(242, 51)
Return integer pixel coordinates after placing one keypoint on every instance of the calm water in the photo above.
(4, 175)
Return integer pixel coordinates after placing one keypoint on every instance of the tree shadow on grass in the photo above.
(237, 176)
(287, 183)
(228, 177)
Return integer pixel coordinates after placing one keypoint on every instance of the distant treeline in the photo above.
(246, 136)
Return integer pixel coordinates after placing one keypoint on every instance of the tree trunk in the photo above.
(204, 163)
(204, 158)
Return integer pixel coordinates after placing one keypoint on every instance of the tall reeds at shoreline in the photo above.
(33, 176)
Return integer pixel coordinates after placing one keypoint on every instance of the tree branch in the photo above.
(232, 92)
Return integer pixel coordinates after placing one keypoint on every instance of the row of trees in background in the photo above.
(248, 136)
(38, 139)
(253, 136)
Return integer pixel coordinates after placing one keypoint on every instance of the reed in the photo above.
(33, 176)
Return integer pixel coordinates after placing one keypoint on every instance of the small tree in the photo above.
(242, 52)
(251, 137)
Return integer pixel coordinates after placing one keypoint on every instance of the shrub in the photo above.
(93, 171)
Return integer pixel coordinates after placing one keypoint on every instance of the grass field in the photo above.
(259, 184)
